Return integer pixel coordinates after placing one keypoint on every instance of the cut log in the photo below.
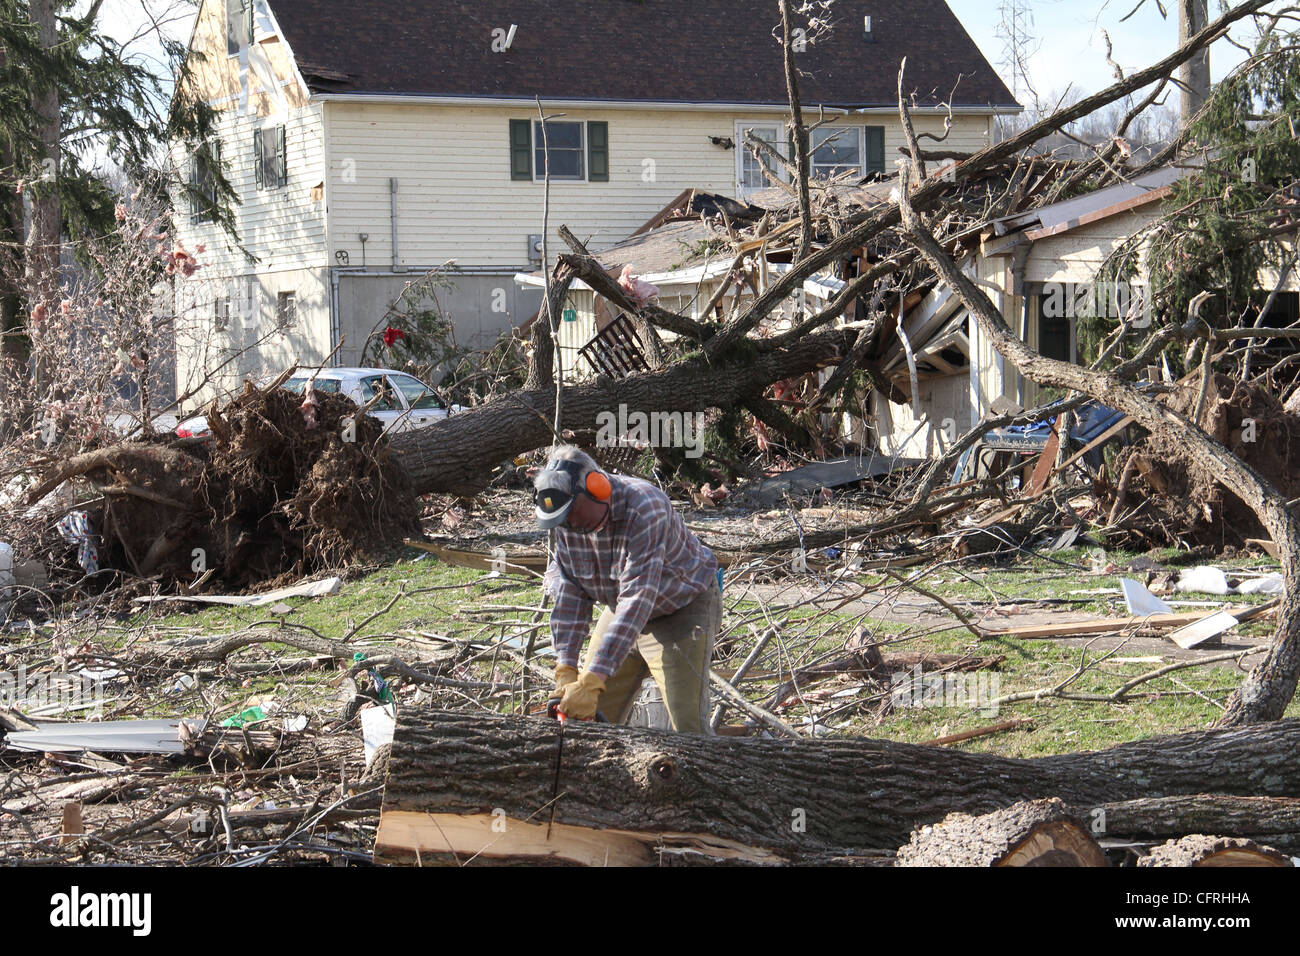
(801, 800)
(1198, 850)
(1271, 820)
(1036, 833)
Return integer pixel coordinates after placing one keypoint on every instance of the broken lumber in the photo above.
(1199, 850)
(1102, 625)
(796, 800)
(1035, 833)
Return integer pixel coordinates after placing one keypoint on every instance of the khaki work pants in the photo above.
(675, 650)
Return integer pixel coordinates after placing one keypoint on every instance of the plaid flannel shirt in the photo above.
(644, 564)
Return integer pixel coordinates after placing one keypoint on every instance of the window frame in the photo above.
(246, 16)
(426, 392)
(203, 187)
(286, 318)
(861, 135)
(392, 390)
(279, 157)
(742, 153)
(222, 308)
(582, 151)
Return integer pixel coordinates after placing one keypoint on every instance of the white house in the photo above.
(371, 141)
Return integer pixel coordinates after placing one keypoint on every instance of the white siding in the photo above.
(283, 228)
(456, 199)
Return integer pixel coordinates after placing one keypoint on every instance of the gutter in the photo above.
(422, 99)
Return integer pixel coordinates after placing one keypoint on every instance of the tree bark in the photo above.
(1271, 820)
(1194, 75)
(46, 228)
(458, 455)
(773, 800)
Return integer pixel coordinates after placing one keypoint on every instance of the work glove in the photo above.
(580, 697)
(564, 676)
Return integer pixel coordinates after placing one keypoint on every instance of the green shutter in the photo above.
(521, 149)
(195, 205)
(281, 160)
(875, 149)
(258, 167)
(598, 152)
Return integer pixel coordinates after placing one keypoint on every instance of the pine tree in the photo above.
(68, 94)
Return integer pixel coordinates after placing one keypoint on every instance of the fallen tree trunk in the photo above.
(483, 785)
(1271, 820)
(458, 455)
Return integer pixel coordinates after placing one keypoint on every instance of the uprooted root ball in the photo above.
(1171, 494)
(273, 495)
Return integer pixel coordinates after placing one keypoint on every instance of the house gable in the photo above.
(261, 79)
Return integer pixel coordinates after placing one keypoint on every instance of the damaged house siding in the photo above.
(232, 302)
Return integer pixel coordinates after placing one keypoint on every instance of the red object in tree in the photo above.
(391, 335)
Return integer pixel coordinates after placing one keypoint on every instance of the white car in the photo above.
(406, 403)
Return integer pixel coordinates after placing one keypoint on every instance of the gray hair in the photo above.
(574, 453)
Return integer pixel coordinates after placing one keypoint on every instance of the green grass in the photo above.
(441, 599)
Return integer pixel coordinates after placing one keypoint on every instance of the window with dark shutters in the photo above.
(575, 147)
(270, 163)
(203, 183)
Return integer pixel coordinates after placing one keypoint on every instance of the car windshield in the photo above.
(418, 395)
(374, 385)
(296, 385)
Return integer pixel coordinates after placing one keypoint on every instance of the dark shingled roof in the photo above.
(678, 51)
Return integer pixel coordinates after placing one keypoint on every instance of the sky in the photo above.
(1070, 49)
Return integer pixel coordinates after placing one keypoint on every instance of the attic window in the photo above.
(239, 25)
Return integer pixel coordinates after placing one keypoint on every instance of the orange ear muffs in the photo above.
(598, 486)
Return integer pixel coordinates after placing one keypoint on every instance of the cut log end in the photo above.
(1033, 833)
(1200, 850)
